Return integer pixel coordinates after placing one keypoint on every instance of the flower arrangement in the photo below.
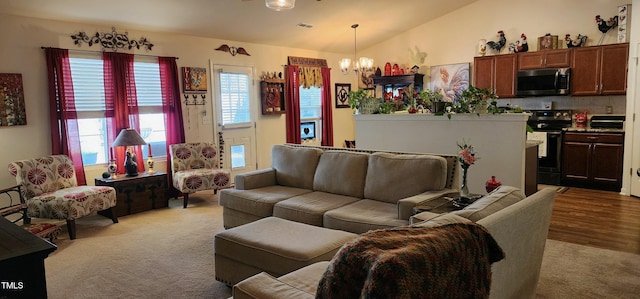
(466, 155)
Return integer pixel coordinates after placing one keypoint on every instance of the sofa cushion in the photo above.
(363, 216)
(310, 207)
(341, 172)
(441, 219)
(259, 201)
(295, 167)
(497, 200)
(391, 177)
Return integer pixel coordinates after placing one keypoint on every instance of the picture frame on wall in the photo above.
(342, 95)
(12, 107)
(450, 80)
(194, 80)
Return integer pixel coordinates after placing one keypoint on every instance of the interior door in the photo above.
(236, 112)
(635, 148)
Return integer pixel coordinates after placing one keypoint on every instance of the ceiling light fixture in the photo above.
(279, 5)
(363, 64)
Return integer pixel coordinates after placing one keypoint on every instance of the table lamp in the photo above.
(129, 137)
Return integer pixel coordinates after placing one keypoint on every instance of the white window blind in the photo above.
(234, 98)
(88, 84)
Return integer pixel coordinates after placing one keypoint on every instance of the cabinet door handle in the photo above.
(592, 137)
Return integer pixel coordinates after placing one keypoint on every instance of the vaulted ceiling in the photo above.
(249, 20)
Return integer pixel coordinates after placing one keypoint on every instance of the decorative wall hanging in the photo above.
(194, 82)
(233, 50)
(194, 79)
(12, 110)
(111, 40)
(342, 95)
(450, 80)
(307, 62)
(547, 42)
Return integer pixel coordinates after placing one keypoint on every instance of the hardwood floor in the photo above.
(597, 218)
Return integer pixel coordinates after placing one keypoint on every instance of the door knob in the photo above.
(638, 172)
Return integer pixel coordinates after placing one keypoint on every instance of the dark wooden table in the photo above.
(139, 193)
(22, 257)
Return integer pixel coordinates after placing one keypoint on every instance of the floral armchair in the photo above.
(14, 209)
(195, 167)
(51, 191)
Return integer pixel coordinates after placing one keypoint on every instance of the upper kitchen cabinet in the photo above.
(496, 72)
(599, 70)
(544, 59)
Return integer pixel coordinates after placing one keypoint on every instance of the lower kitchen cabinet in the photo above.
(592, 160)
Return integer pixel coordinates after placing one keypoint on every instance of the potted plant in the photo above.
(432, 100)
(362, 101)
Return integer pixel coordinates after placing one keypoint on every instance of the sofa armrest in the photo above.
(265, 286)
(406, 205)
(255, 179)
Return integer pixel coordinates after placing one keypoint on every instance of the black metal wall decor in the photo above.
(111, 40)
(233, 50)
(195, 100)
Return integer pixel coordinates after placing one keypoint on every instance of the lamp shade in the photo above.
(128, 137)
(279, 5)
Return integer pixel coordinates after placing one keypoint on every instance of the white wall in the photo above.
(20, 52)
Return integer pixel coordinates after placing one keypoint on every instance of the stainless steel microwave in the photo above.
(543, 82)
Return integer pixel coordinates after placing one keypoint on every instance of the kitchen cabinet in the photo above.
(496, 72)
(599, 70)
(544, 59)
(592, 160)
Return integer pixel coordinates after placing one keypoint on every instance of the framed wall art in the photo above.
(450, 80)
(342, 95)
(12, 109)
(194, 79)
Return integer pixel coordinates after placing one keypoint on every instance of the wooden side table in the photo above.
(139, 193)
(22, 257)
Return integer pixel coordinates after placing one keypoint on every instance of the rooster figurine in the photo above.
(578, 42)
(604, 26)
(519, 46)
(499, 44)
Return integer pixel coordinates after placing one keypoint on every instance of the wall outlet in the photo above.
(547, 105)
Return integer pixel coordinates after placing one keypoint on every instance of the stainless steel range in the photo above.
(547, 126)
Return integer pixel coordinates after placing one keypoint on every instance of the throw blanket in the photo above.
(449, 261)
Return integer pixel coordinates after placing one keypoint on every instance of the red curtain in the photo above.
(327, 112)
(293, 104)
(65, 138)
(171, 106)
(120, 101)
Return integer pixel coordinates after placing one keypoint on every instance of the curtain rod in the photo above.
(88, 51)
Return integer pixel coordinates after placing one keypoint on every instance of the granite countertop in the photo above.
(593, 130)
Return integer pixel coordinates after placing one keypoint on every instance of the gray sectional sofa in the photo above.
(356, 191)
(346, 189)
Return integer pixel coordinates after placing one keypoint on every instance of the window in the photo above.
(234, 98)
(88, 85)
(310, 113)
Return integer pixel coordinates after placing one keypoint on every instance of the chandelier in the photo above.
(279, 5)
(363, 64)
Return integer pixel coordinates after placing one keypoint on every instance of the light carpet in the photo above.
(168, 253)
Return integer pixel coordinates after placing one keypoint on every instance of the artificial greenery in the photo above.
(357, 96)
(475, 100)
